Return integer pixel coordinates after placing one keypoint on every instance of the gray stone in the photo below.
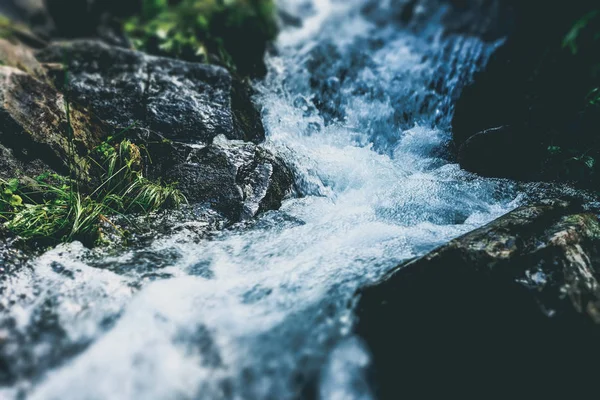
(183, 101)
(236, 178)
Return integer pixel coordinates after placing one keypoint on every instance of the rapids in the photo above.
(361, 111)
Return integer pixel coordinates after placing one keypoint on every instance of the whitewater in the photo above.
(360, 109)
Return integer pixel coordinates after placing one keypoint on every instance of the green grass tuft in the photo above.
(63, 214)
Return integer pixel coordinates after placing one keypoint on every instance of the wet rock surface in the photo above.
(34, 129)
(502, 152)
(180, 100)
(510, 309)
(237, 178)
(178, 109)
(172, 109)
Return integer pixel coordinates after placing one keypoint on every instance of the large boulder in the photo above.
(505, 151)
(509, 310)
(538, 83)
(184, 101)
(175, 111)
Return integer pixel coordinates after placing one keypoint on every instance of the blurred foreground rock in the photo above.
(509, 310)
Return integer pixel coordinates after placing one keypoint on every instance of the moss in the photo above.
(232, 33)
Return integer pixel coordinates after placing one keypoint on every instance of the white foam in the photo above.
(260, 312)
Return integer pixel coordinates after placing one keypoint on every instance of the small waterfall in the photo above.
(361, 112)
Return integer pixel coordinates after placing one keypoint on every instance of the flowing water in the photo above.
(361, 111)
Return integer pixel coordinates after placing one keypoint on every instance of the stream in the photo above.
(360, 109)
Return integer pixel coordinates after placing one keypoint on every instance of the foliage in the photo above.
(578, 30)
(234, 33)
(64, 214)
(9, 199)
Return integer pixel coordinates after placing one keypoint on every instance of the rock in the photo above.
(236, 178)
(502, 152)
(179, 108)
(509, 310)
(34, 128)
(73, 18)
(11, 166)
(22, 58)
(28, 12)
(183, 101)
(536, 85)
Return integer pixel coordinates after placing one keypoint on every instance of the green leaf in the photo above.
(13, 185)
(593, 97)
(16, 201)
(589, 161)
(554, 150)
(570, 40)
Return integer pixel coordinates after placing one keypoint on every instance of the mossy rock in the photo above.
(34, 125)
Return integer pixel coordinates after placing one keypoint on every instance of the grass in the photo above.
(51, 210)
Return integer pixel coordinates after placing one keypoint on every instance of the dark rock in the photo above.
(179, 108)
(502, 152)
(69, 19)
(508, 310)
(30, 12)
(536, 85)
(183, 101)
(11, 166)
(34, 129)
(237, 179)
